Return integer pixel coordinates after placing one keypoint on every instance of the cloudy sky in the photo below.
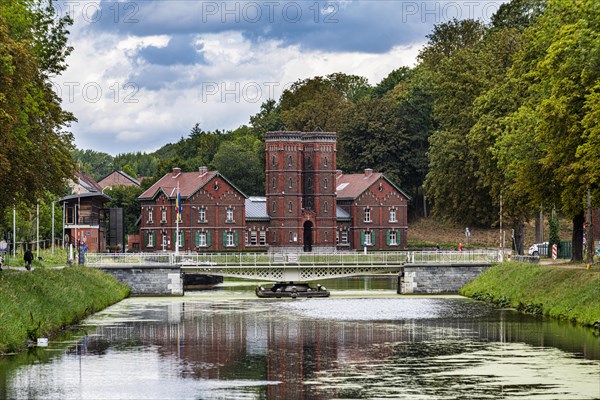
(143, 73)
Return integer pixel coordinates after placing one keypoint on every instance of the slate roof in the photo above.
(340, 213)
(256, 208)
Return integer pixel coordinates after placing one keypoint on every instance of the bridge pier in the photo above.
(144, 280)
(437, 279)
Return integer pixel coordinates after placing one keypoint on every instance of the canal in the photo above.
(364, 342)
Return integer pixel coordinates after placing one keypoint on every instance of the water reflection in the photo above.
(198, 347)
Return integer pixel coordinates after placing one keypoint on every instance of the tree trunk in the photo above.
(577, 239)
(519, 228)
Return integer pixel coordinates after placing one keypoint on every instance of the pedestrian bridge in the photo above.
(290, 267)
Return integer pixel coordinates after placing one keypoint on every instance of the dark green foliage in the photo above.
(125, 197)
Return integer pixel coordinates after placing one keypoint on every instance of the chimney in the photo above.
(176, 171)
(203, 170)
(368, 172)
(338, 173)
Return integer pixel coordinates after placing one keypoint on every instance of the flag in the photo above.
(178, 207)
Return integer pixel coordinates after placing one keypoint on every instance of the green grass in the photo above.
(59, 258)
(570, 294)
(42, 302)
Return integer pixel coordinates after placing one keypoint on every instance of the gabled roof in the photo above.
(125, 175)
(189, 183)
(87, 183)
(350, 186)
(101, 196)
(256, 208)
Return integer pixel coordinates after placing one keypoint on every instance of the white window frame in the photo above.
(368, 214)
(253, 238)
(262, 238)
(393, 238)
(368, 238)
(202, 214)
(344, 237)
(230, 240)
(163, 215)
(202, 239)
(393, 217)
(229, 214)
(150, 214)
(150, 239)
(179, 237)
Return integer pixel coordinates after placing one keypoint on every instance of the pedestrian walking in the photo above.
(460, 248)
(28, 257)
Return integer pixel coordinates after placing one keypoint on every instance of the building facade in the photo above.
(84, 214)
(308, 206)
(118, 178)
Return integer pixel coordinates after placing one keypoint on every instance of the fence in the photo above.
(269, 259)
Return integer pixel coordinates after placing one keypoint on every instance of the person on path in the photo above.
(28, 257)
(460, 248)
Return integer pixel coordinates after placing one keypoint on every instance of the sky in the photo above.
(143, 73)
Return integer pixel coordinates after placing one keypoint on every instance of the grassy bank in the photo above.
(41, 303)
(570, 294)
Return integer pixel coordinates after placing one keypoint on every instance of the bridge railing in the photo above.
(272, 259)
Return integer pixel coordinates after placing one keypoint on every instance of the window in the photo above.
(393, 215)
(202, 239)
(325, 207)
(337, 237)
(367, 215)
(274, 206)
(163, 215)
(290, 206)
(164, 241)
(344, 236)
(325, 162)
(229, 214)
(291, 185)
(273, 160)
(230, 241)
(325, 183)
(326, 236)
(393, 238)
(202, 214)
(70, 215)
(368, 240)
(180, 239)
(273, 183)
(290, 161)
(291, 236)
(262, 240)
(253, 238)
(309, 183)
(150, 215)
(150, 239)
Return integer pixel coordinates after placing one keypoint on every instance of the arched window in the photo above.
(290, 206)
(325, 161)
(290, 161)
(325, 182)
(274, 206)
(291, 183)
(273, 183)
(273, 161)
(325, 207)
(291, 236)
(326, 236)
(309, 183)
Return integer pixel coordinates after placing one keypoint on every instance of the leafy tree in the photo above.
(34, 150)
(125, 197)
(239, 162)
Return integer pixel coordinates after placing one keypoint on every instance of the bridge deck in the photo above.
(289, 267)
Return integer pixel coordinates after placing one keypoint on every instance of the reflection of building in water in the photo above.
(246, 341)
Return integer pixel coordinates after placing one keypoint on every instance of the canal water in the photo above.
(365, 342)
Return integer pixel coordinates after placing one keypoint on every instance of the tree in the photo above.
(35, 152)
(126, 197)
(238, 161)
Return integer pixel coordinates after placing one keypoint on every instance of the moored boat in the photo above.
(293, 290)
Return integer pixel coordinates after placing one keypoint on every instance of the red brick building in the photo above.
(118, 178)
(212, 213)
(309, 206)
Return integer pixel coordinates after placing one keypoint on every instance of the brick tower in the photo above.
(300, 189)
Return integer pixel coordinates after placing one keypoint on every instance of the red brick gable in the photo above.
(117, 178)
(351, 186)
(189, 184)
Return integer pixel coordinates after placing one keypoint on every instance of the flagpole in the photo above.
(177, 221)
